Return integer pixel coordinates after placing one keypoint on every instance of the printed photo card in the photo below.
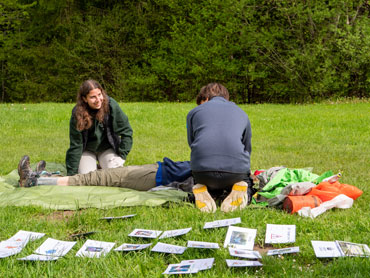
(145, 233)
(240, 238)
(95, 249)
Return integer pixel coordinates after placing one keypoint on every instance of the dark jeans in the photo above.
(217, 181)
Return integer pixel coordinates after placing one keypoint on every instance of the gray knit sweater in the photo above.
(219, 135)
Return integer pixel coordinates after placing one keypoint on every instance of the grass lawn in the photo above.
(326, 136)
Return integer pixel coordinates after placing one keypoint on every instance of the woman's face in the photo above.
(94, 99)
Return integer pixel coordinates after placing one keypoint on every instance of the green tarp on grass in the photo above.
(77, 197)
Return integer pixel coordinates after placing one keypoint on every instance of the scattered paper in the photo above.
(53, 247)
(168, 248)
(95, 249)
(180, 269)
(353, 249)
(222, 223)
(17, 242)
(35, 257)
(117, 217)
(200, 264)
(242, 238)
(145, 233)
(174, 233)
(202, 244)
(11, 247)
(326, 249)
(26, 235)
(244, 253)
(241, 263)
(280, 233)
(283, 251)
(132, 247)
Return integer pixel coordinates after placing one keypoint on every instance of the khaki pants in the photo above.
(140, 178)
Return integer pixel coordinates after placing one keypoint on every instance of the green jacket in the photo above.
(115, 127)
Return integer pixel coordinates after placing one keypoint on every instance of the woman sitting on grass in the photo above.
(99, 131)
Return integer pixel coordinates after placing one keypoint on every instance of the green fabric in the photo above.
(77, 197)
(324, 176)
(283, 178)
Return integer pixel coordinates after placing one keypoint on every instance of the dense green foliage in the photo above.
(165, 50)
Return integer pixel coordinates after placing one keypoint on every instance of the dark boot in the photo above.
(27, 177)
(40, 166)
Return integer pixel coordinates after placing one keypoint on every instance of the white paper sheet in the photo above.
(280, 233)
(145, 233)
(95, 249)
(222, 223)
(283, 251)
(242, 238)
(180, 269)
(201, 264)
(202, 244)
(132, 247)
(53, 247)
(326, 249)
(35, 257)
(243, 253)
(168, 248)
(174, 233)
(241, 263)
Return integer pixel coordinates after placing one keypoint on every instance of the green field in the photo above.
(325, 136)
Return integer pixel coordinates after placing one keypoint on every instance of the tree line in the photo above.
(166, 50)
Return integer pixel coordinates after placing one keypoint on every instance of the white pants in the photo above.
(106, 159)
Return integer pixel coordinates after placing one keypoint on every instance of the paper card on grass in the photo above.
(241, 263)
(26, 235)
(117, 217)
(203, 244)
(95, 249)
(242, 238)
(35, 257)
(168, 248)
(180, 269)
(11, 247)
(222, 223)
(283, 251)
(132, 247)
(326, 249)
(200, 264)
(243, 253)
(353, 249)
(53, 247)
(173, 233)
(145, 233)
(280, 233)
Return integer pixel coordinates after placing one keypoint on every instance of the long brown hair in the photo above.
(83, 113)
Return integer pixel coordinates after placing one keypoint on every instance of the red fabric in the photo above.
(327, 191)
(257, 172)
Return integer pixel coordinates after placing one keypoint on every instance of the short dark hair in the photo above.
(212, 90)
